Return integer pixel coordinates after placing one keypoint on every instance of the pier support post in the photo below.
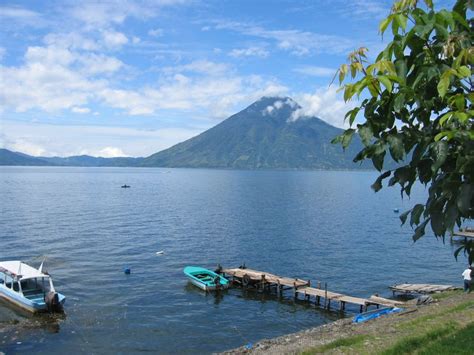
(325, 294)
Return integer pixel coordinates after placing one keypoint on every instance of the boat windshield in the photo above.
(32, 288)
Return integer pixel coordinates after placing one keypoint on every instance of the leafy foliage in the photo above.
(418, 107)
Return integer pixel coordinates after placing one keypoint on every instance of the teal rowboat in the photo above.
(205, 279)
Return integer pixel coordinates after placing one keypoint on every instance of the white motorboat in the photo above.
(29, 288)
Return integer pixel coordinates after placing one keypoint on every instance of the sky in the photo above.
(130, 78)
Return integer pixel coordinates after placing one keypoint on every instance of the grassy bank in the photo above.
(443, 327)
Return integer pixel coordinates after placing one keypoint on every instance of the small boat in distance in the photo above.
(29, 288)
(205, 279)
(125, 186)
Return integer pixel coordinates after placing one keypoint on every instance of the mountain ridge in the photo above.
(264, 135)
(268, 134)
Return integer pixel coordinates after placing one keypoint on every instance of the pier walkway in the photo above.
(302, 288)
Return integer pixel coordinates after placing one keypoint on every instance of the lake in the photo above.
(325, 226)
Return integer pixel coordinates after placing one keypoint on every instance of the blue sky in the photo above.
(130, 78)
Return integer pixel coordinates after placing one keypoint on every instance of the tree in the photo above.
(419, 107)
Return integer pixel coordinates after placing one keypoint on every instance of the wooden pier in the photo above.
(421, 288)
(265, 281)
(464, 233)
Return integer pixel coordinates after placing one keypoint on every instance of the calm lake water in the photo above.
(319, 225)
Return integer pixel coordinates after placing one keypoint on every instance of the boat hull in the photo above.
(26, 304)
(205, 287)
(205, 279)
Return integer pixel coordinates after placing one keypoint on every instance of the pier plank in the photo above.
(422, 288)
(255, 275)
(303, 288)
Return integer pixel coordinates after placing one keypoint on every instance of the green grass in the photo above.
(448, 330)
(460, 342)
(448, 339)
(425, 319)
(344, 342)
(446, 294)
(411, 344)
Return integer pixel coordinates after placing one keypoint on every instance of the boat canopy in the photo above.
(21, 270)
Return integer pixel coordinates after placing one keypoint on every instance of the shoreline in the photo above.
(343, 336)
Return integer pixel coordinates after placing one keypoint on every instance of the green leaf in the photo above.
(366, 134)
(443, 85)
(384, 24)
(448, 134)
(377, 160)
(402, 21)
(429, 3)
(464, 71)
(337, 139)
(399, 103)
(437, 223)
(461, 116)
(445, 118)
(396, 147)
(416, 214)
(439, 151)
(420, 230)
(377, 185)
(403, 217)
(348, 92)
(464, 200)
(385, 82)
(352, 115)
(347, 137)
(402, 69)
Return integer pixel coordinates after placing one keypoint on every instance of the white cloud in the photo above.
(24, 145)
(249, 52)
(42, 139)
(81, 110)
(18, 13)
(107, 152)
(102, 14)
(326, 104)
(156, 32)
(51, 79)
(99, 64)
(114, 39)
(57, 77)
(271, 109)
(315, 71)
(71, 40)
(364, 9)
(220, 95)
(200, 67)
(296, 42)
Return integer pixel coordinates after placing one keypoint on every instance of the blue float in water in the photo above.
(396, 210)
(127, 271)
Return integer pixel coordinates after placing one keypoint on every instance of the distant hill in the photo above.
(8, 157)
(87, 160)
(262, 136)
